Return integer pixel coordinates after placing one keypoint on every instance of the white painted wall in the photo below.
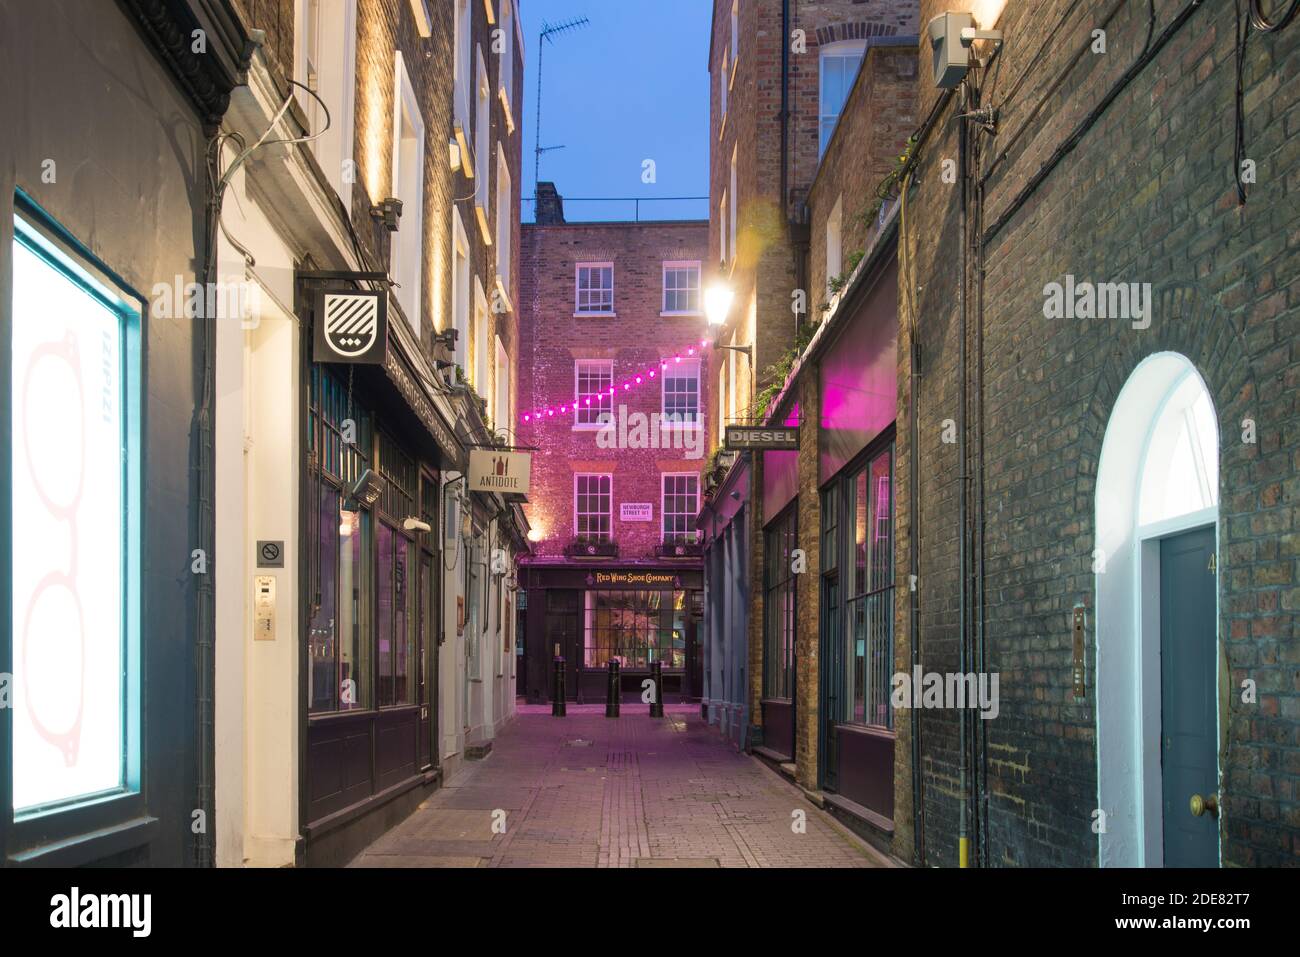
(258, 398)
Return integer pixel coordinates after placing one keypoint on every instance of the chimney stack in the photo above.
(550, 205)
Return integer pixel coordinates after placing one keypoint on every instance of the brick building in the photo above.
(382, 651)
(1108, 443)
(1093, 443)
(780, 75)
(612, 321)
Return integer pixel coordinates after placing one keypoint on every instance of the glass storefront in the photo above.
(635, 627)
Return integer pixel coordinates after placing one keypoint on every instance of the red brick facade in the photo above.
(634, 340)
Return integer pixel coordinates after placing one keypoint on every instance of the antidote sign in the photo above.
(768, 438)
(492, 470)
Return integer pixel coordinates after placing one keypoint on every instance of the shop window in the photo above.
(870, 597)
(595, 289)
(394, 617)
(780, 591)
(681, 391)
(635, 627)
(592, 497)
(682, 288)
(681, 495)
(74, 540)
(839, 69)
(339, 632)
(593, 380)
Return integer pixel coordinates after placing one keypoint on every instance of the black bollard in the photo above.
(657, 702)
(557, 694)
(614, 690)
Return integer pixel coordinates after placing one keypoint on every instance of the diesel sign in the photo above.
(743, 437)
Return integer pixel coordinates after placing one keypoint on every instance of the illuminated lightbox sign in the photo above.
(491, 470)
(634, 578)
(740, 437)
(636, 512)
(351, 326)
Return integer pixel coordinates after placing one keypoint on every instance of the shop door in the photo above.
(426, 636)
(1188, 712)
(562, 633)
(832, 705)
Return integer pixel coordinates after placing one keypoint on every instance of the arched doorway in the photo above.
(1157, 660)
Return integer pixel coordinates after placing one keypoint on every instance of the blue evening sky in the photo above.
(630, 86)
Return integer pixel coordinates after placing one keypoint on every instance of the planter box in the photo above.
(592, 550)
(679, 550)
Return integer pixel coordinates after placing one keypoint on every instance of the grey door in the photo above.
(1189, 729)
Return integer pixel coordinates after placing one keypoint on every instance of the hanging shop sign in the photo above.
(774, 438)
(636, 512)
(351, 326)
(492, 470)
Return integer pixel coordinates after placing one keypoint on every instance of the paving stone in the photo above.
(645, 793)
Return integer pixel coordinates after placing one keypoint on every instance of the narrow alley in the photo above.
(587, 791)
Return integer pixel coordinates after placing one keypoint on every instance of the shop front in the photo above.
(857, 389)
(724, 526)
(636, 615)
(372, 600)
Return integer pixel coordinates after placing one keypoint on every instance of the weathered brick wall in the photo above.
(825, 22)
(276, 18)
(635, 339)
(1146, 195)
(879, 117)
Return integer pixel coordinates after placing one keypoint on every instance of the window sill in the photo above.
(589, 428)
(84, 848)
(595, 315)
(680, 315)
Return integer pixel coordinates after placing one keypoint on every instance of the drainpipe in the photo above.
(913, 531)
(963, 836)
(981, 665)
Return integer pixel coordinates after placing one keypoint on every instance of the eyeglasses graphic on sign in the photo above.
(351, 326)
(71, 537)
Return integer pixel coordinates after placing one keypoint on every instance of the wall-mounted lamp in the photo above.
(365, 492)
(390, 211)
(951, 36)
(747, 351)
(416, 525)
(453, 155)
(717, 303)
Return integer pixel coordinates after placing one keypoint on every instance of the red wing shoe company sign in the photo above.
(351, 326)
(491, 470)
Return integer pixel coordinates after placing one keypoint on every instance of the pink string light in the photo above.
(613, 390)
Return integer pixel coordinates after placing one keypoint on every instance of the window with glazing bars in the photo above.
(681, 386)
(870, 604)
(682, 287)
(595, 402)
(335, 419)
(596, 288)
(591, 506)
(780, 595)
(680, 503)
(636, 627)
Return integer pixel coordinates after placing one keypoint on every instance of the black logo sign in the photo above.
(351, 326)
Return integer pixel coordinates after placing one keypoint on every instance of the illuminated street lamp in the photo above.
(717, 304)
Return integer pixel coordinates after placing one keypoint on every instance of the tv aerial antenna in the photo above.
(548, 30)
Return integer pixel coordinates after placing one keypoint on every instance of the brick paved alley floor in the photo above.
(590, 791)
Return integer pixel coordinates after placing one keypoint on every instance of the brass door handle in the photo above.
(1199, 805)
